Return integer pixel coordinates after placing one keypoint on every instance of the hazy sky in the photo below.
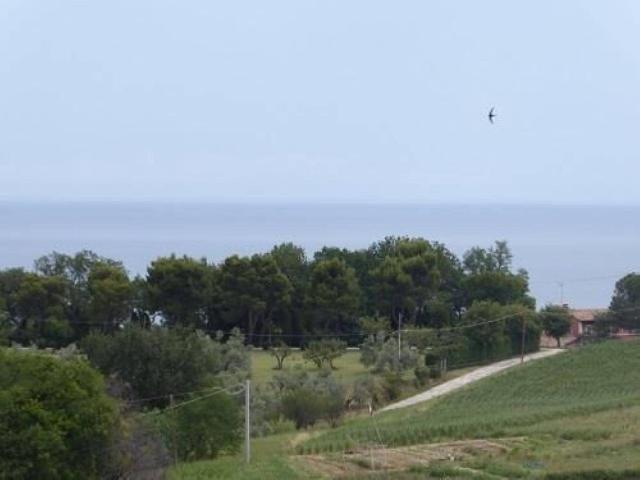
(338, 100)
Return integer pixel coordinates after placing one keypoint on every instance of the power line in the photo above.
(193, 400)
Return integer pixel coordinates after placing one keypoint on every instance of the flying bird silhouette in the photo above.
(491, 114)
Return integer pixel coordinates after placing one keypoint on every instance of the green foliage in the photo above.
(177, 287)
(374, 325)
(327, 403)
(252, 290)
(334, 296)
(490, 277)
(422, 374)
(42, 307)
(381, 354)
(280, 352)
(598, 377)
(369, 392)
(5, 325)
(204, 428)
(324, 352)
(494, 259)
(110, 296)
(304, 407)
(56, 421)
(556, 321)
(625, 303)
(158, 362)
(407, 277)
(497, 330)
(301, 397)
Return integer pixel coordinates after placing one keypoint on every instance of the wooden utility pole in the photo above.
(524, 330)
(173, 435)
(399, 335)
(247, 421)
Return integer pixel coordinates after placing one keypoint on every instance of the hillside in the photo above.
(574, 412)
(571, 416)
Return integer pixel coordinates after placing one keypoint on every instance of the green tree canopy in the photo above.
(252, 290)
(625, 303)
(178, 287)
(42, 307)
(333, 297)
(407, 278)
(157, 362)
(110, 296)
(556, 321)
(56, 420)
(490, 277)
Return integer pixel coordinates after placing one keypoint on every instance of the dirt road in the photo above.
(468, 378)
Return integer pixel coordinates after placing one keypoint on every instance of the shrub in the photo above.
(324, 352)
(392, 383)
(204, 428)
(300, 397)
(422, 375)
(368, 391)
(157, 362)
(382, 355)
(280, 352)
(56, 420)
(303, 406)
(435, 372)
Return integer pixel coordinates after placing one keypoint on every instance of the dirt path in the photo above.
(375, 459)
(468, 378)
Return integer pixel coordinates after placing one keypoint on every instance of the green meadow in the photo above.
(571, 416)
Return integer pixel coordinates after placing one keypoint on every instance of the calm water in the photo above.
(586, 248)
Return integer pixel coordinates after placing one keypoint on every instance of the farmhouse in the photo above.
(582, 323)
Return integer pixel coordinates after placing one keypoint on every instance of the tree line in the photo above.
(281, 294)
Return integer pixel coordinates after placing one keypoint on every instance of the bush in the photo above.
(300, 397)
(368, 392)
(422, 374)
(382, 355)
(324, 352)
(204, 428)
(392, 384)
(56, 420)
(303, 406)
(157, 362)
(280, 352)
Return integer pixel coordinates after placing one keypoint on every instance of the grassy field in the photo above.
(269, 461)
(348, 367)
(572, 416)
(579, 411)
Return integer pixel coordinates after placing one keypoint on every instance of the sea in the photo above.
(574, 254)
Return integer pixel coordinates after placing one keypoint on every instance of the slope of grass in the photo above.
(348, 366)
(269, 460)
(580, 382)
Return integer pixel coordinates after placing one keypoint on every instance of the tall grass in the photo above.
(595, 378)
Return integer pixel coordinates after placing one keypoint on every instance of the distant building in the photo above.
(582, 323)
(583, 320)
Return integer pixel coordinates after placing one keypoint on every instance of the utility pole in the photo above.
(173, 435)
(399, 335)
(524, 330)
(561, 284)
(247, 421)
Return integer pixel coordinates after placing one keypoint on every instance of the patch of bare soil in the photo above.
(379, 458)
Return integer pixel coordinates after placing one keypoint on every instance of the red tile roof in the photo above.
(586, 314)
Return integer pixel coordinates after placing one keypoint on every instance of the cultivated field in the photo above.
(579, 411)
(572, 416)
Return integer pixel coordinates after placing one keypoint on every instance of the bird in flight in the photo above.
(491, 114)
